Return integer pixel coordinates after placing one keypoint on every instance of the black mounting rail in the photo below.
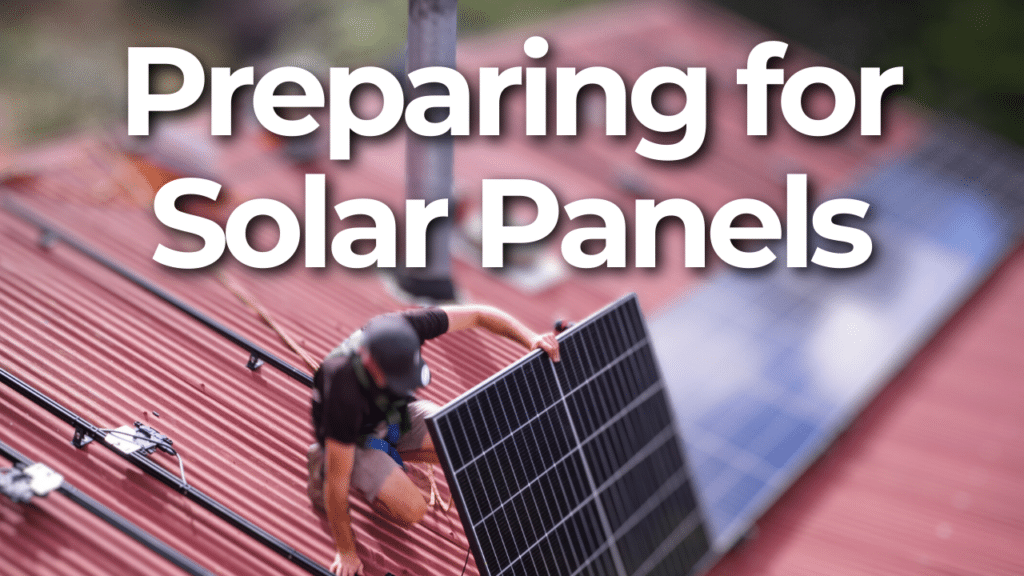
(114, 519)
(84, 429)
(51, 234)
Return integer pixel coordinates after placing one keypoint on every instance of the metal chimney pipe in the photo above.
(428, 161)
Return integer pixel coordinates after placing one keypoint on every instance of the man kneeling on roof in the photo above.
(366, 419)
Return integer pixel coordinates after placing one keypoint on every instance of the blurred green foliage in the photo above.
(963, 58)
(63, 63)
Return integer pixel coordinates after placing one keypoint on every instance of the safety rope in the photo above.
(435, 494)
(119, 170)
(434, 498)
(250, 300)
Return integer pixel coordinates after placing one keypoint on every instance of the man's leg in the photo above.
(384, 483)
(315, 478)
(389, 489)
(399, 500)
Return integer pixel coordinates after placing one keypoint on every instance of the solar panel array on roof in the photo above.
(574, 467)
(765, 368)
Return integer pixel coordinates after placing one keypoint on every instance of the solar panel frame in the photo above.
(590, 520)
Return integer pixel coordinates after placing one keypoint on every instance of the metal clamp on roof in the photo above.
(48, 238)
(51, 234)
(35, 480)
(16, 485)
(81, 437)
(43, 479)
(254, 362)
(29, 478)
(142, 439)
(105, 438)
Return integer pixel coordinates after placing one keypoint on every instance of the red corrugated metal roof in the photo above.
(924, 482)
(114, 354)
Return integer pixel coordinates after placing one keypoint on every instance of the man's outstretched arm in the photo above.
(337, 474)
(501, 323)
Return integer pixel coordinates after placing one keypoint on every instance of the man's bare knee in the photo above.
(400, 501)
(415, 511)
(404, 510)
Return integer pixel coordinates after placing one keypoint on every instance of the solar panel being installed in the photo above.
(574, 467)
(764, 369)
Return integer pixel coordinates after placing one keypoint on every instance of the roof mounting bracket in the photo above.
(47, 237)
(141, 439)
(81, 438)
(105, 439)
(254, 362)
(44, 479)
(16, 485)
(52, 234)
(38, 479)
(35, 480)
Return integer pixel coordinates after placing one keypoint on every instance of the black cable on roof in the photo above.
(52, 233)
(84, 428)
(110, 517)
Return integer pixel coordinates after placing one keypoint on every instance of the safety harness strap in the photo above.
(387, 444)
(396, 413)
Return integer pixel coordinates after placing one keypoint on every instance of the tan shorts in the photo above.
(371, 466)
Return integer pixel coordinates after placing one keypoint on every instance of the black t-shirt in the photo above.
(344, 411)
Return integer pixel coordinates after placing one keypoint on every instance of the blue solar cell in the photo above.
(748, 431)
(790, 444)
(707, 466)
(763, 368)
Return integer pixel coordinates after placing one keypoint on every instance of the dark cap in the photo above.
(395, 347)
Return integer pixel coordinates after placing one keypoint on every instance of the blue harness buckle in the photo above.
(388, 443)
